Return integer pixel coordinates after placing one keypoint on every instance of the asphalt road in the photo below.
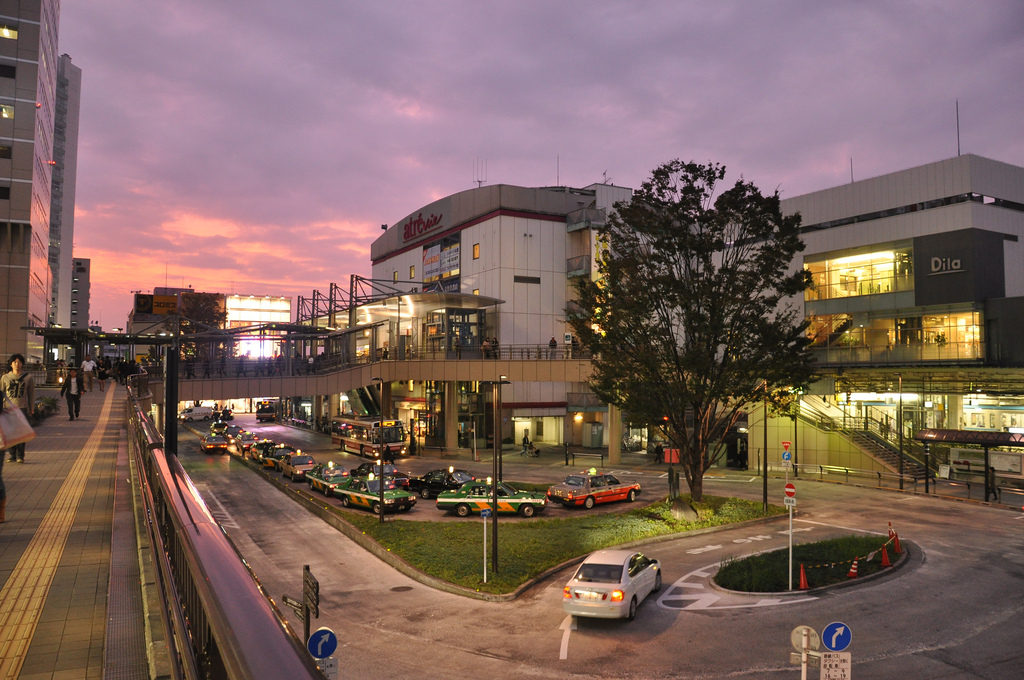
(952, 611)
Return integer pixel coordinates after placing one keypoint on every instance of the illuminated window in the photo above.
(5, 151)
(394, 277)
(842, 275)
(476, 291)
(6, 111)
(476, 251)
(412, 272)
(9, 32)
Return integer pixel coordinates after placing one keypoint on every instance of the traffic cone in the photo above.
(891, 532)
(885, 558)
(803, 579)
(896, 544)
(853, 569)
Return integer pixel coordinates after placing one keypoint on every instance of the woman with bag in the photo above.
(19, 391)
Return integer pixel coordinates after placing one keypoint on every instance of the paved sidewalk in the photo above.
(55, 545)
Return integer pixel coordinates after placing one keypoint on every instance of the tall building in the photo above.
(79, 303)
(62, 198)
(28, 78)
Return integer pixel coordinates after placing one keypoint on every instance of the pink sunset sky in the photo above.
(248, 146)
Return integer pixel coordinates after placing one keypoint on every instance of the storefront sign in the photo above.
(946, 265)
(155, 304)
(420, 225)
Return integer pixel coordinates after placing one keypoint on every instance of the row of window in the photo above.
(412, 268)
(886, 271)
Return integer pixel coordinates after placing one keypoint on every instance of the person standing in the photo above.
(72, 390)
(552, 346)
(21, 390)
(88, 371)
(101, 374)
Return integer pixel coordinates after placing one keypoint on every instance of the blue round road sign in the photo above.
(836, 637)
(322, 643)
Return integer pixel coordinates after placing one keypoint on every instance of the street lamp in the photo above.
(899, 424)
(380, 384)
(496, 465)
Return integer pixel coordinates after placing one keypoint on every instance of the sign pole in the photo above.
(484, 517)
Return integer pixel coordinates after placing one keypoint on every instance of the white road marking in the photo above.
(221, 514)
(568, 625)
(838, 526)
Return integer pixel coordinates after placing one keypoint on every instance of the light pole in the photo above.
(764, 459)
(380, 384)
(899, 424)
(496, 465)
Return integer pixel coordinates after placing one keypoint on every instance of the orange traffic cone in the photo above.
(803, 579)
(853, 569)
(891, 532)
(896, 544)
(885, 558)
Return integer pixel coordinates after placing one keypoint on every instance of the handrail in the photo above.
(222, 623)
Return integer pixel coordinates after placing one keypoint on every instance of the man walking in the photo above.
(88, 371)
(72, 390)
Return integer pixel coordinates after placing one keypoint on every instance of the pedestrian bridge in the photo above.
(342, 379)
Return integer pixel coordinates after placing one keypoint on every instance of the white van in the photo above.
(196, 413)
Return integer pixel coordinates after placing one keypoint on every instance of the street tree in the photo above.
(202, 314)
(687, 317)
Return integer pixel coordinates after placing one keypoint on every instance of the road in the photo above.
(952, 611)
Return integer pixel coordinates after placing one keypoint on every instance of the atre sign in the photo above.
(945, 265)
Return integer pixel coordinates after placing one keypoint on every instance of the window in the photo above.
(6, 111)
(5, 193)
(412, 272)
(394, 277)
(5, 152)
(74, 311)
(9, 32)
(476, 291)
(7, 71)
(852, 275)
(476, 251)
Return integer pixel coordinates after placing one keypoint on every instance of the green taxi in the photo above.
(261, 448)
(218, 427)
(271, 459)
(365, 493)
(326, 478)
(475, 496)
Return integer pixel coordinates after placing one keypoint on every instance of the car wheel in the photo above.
(657, 582)
(589, 502)
(527, 510)
(632, 609)
(462, 510)
(632, 495)
(205, 418)
(188, 420)
(344, 501)
(376, 508)
(425, 494)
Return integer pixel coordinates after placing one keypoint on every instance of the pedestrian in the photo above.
(552, 346)
(101, 375)
(494, 348)
(72, 391)
(88, 371)
(487, 347)
(659, 453)
(457, 346)
(526, 444)
(240, 369)
(21, 390)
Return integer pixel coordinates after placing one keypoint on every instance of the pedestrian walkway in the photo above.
(55, 547)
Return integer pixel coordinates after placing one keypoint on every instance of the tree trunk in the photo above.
(697, 488)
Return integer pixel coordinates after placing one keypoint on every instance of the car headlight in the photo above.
(389, 501)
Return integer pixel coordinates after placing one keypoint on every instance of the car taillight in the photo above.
(617, 595)
(567, 592)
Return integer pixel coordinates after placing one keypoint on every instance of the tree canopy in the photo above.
(687, 316)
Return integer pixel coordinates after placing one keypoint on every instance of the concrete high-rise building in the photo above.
(79, 303)
(28, 78)
(62, 198)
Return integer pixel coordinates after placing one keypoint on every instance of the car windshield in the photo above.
(462, 477)
(373, 486)
(574, 480)
(335, 473)
(302, 460)
(599, 573)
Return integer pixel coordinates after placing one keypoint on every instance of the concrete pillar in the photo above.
(333, 405)
(955, 414)
(614, 435)
(385, 401)
(451, 416)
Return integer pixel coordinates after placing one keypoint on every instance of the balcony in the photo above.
(585, 218)
(577, 266)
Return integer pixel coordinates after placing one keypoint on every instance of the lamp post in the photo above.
(764, 460)
(381, 457)
(899, 424)
(496, 466)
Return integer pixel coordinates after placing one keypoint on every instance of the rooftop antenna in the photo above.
(958, 127)
(851, 169)
(606, 179)
(479, 172)
(558, 171)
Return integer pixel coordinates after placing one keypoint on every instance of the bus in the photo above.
(367, 436)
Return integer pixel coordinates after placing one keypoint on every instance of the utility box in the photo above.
(593, 435)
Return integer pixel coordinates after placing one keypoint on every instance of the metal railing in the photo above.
(220, 621)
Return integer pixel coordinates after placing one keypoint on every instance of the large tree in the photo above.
(687, 318)
(203, 314)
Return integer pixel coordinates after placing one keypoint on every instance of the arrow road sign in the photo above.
(322, 643)
(836, 637)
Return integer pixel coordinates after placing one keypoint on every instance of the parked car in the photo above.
(363, 493)
(214, 443)
(391, 472)
(196, 413)
(590, 488)
(326, 478)
(436, 481)
(272, 458)
(475, 496)
(295, 467)
(611, 584)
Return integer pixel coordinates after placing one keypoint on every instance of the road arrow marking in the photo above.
(568, 625)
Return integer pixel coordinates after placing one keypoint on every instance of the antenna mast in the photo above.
(958, 127)
(479, 172)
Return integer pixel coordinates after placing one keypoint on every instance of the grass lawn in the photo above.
(825, 562)
(453, 551)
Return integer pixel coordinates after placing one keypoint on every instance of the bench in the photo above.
(599, 454)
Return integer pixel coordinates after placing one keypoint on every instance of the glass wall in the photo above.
(929, 337)
(884, 271)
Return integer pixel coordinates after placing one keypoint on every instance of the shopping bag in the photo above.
(14, 427)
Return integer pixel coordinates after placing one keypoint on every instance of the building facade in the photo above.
(28, 74)
(62, 192)
(79, 292)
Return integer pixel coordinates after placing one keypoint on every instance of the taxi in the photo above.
(218, 427)
(271, 459)
(296, 466)
(245, 441)
(214, 443)
(475, 496)
(590, 487)
(262, 447)
(390, 472)
(326, 478)
(365, 493)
